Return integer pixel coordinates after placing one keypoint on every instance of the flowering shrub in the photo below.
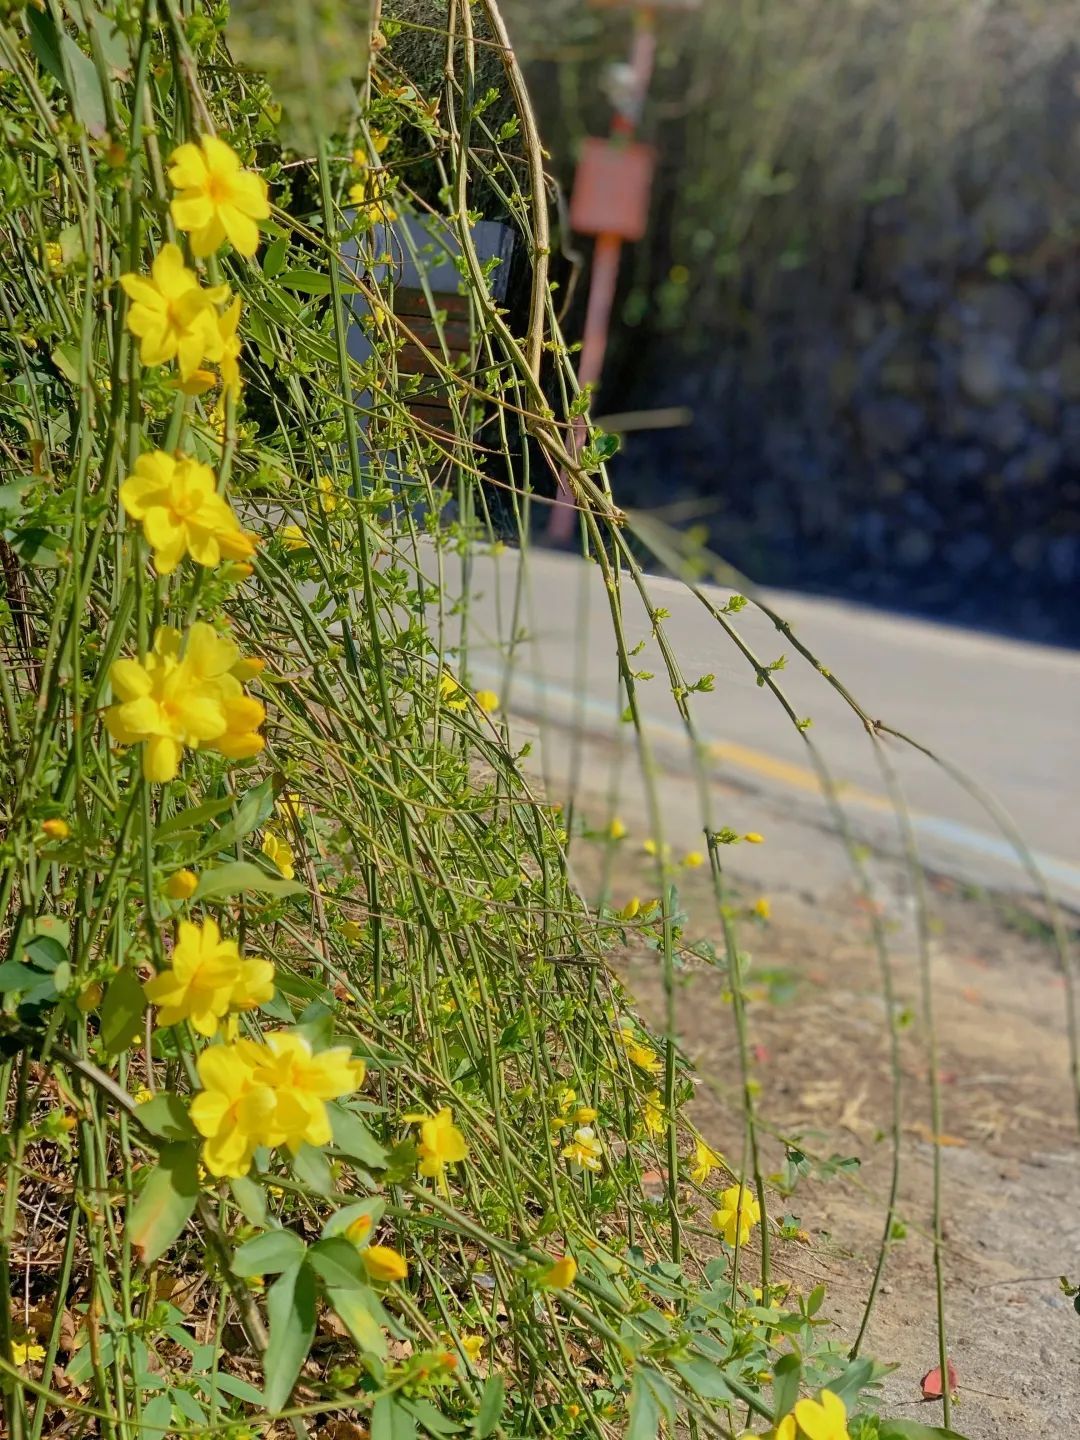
(290, 1063)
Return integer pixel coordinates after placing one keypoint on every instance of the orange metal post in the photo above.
(605, 267)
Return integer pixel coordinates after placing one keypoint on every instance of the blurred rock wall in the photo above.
(914, 443)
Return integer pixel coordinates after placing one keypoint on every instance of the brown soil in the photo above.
(1009, 1129)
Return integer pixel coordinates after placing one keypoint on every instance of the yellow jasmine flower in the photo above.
(328, 495)
(352, 931)
(216, 663)
(616, 830)
(630, 909)
(143, 1096)
(289, 806)
(279, 852)
(181, 512)
(371, 194)
(23, 1351)
(302, 1082)
(487, 700)
(473, 1345)
(821, 1419)
(705, 1162)
(739, 1212)
(762, 908)
(639, 1054)
(182, 885)
(54, 254)
(172, 315)
(293, 538)
(441, 1144)
(585, 1116)
(231, 348)
(693, 860)
(56, 829)
(218, 198)
(207, 979)
(561, 1275)
(233, 1111)
(652, 1114)
(383, 1263)
(171, 701)
(379, 142)
(451, 692)
(159, 706)
(586, 1151)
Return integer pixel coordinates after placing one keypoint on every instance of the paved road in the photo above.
(1007, 712)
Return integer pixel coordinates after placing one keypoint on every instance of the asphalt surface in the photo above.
(1004, 711)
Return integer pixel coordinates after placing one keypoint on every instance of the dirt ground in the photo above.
(1009, 1138)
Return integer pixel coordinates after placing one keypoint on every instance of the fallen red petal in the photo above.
(931, 1382)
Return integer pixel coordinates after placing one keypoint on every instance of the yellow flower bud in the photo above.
(357, 1232)
(561, 1275)
(89, 997)
(488, 701)
(250, 668)
(181, 885)
(383, 1263)
(753, 838)
(56, 829)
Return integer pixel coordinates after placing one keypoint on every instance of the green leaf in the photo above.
(431, 1418)
(848, 1384)
(88, 102)
(227, 1384)
(14, 975)
(391, 1421)
(11, 496)
(66, 360)
(269, 1254)
(492, 1400)
(45, 952)
(222, 881)
(45, 42)
(362, 1315)
(193, 819)
(290, 1308)
(311, 1168)
(704, 1377)
(38, 548)
(787, 1377)
(251, 1199)
(167, 1201)
(166, 1117)
(338, 1262)
(122, 1012)
(353, 1139)
(644, 1411)
(275, 256)
(308, 282)
(256, 806)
